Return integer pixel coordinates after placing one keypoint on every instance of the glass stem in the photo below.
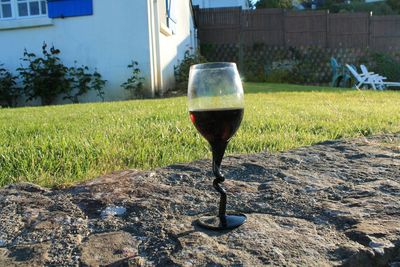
(218, 150)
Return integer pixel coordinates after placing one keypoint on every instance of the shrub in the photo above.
(378, 8)
(82, 81)
(9, 92)
(299, 66)
(281, 71)
(44, 77)
(394, 4)
(47, 78)
(97, 84)
(385, 65)
(134, 84)
(274, 4)
(182, 70)
(253, 70)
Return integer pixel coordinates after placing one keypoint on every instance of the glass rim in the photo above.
(213, 66)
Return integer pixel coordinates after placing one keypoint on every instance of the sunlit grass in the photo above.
(61, 145)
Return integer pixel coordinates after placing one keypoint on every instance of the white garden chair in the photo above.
(380, 80)
(362, 79)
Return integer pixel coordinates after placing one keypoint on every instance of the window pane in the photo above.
(34, 8)
(44, 7)
(6, 9)
(22, 9)
(3, 1)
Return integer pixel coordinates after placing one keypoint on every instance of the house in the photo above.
(106, 35)
(244, 4)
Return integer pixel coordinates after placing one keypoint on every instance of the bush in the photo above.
(44, 77)
(378, 8)
(9, 92)
(274, 4)
(47, 78)
(97, 84)
(182, 70)
(298, 67)
(281, 71)
(134, 84)
(384, 65)
(82, 81)
(253, 70)
(395, 5)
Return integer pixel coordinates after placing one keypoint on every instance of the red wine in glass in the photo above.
(216, 109)
(217, 125)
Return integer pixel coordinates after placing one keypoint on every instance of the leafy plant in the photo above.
(281, 71)
(254, 70)
(385, 65)
(82, 81)
(274, 4)
(44, 77)
(394, 4)
(134, 84)
(9, 92)
(97, 84)
(182, 70)
(377, 8)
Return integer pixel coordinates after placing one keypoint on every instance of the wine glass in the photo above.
(216, 105)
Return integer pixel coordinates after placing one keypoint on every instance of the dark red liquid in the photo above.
(217, 125)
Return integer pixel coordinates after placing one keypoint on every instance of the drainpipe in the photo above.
(154, 41)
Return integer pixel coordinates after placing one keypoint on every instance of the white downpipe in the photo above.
(154, 39)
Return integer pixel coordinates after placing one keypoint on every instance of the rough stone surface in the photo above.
(335, 203)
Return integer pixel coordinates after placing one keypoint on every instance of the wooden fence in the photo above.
(279, 27)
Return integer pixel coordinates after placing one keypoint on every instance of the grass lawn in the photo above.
(61, 145)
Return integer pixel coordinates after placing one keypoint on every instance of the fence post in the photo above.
(370, 42)
(284, 27)
(241, 51)
(327, 29)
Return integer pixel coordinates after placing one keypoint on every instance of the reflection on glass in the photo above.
(34, 8)
(44, 7)
(6, 11)
(22, 9)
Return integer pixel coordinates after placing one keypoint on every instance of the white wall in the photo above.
(116, 33)
(173, 46)
(221, 3)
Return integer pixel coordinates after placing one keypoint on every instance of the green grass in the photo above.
(61, 145)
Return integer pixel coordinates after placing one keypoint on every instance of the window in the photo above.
(5, 9)
(166, 11)
(22, 8)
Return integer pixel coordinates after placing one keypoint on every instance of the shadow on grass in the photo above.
(254, 88)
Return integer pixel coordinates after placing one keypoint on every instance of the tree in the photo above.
(274, 4)
(250, 4)
(394, 4)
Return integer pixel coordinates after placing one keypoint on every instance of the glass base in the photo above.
(230, 221)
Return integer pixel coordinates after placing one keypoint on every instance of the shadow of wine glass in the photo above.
(211, 233)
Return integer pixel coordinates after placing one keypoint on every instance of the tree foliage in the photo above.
(274, 4)
(47, 78)
(44, 77)
(9, 92)
(394, 4)
(134, 84)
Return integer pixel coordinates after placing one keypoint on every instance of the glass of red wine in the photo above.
(216, 105)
